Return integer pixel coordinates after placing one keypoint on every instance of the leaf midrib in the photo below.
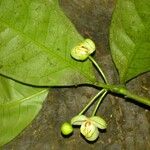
(124, 79)
(16, 102)
(44, 48)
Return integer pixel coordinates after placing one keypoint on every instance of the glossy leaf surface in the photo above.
(130, 38)
(19, 104)
(35, 43)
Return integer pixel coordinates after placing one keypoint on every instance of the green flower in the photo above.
(83, 50)
(89, 126)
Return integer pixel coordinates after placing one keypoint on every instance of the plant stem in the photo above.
(98, 103)
(117, 88)
(135, 97)
(122, 90)
(99, 69)
(91, 101)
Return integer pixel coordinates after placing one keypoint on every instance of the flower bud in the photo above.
(66, 128)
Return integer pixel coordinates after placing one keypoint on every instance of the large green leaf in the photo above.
(130, 38)
(19, 104)
(35, 43)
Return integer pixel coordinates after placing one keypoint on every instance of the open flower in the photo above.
(89, 126)
(83, 50)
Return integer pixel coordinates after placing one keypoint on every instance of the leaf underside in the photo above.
(130, 38)
(19, 104)
(35, 43)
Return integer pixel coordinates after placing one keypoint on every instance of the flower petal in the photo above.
(79, 53)
(89, 45)
(87, 128)
(78, 120)
(94, 136)
(99, 122)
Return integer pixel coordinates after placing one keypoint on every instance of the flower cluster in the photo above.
(89, 126)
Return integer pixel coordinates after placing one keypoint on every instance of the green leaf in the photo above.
(19, 104)
(130, 38)
(35, 43)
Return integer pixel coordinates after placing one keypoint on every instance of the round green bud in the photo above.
(66, 128)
